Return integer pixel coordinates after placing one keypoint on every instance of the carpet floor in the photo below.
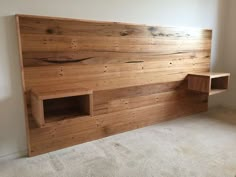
(202, 145)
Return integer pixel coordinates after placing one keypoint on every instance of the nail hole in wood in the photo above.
(50, 31)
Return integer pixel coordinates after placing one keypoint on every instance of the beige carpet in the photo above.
(202, 145)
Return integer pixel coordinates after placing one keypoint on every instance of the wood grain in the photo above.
(79, 131)
(37, 110)
(137, 74)
(200, 83)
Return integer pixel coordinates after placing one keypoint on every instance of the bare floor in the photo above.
(202, 145)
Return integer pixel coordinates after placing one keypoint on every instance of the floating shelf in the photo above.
(209, 83)
(58, 105)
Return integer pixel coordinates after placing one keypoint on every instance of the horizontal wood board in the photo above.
(137, 74)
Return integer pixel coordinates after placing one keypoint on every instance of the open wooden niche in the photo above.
(59, 105)
(209, 83)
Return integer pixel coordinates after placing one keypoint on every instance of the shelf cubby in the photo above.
(209, 83)
(52, 106)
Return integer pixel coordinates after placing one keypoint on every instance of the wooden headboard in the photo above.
(136, 74)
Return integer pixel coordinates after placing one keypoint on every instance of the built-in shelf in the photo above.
(57, 105)
(209, 83)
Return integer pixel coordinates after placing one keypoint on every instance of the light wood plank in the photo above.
(137, 74)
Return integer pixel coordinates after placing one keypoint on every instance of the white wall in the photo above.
(192, 13)
(229, 53)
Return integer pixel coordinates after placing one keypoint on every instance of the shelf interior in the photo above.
(65, 108)
(219, 85)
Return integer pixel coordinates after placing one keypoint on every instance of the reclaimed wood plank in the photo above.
(137, 74)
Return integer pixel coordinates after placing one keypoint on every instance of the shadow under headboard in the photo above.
(85, 80)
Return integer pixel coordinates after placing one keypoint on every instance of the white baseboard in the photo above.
(14, 155)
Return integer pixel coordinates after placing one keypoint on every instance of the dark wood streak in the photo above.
(156, 33)
(69, 60)
(126, 32)
(134, 62)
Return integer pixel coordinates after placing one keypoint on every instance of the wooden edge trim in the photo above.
(23, 85)
(108, 22)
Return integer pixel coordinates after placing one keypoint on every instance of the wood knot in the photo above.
(124, 33)
(161, 34)
(61, 72)
(153, 30)
(106, 129)
(49, 31)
